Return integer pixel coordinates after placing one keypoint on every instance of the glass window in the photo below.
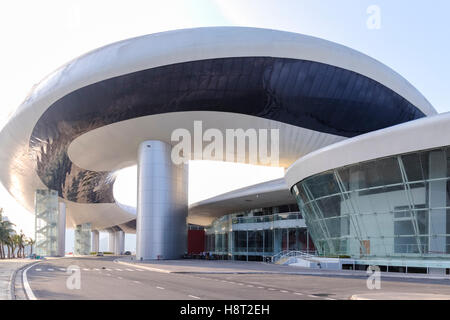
(268, 241)
(322, 185)
(330, 206)
(413, 167)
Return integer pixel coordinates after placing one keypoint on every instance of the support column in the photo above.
(112, 241)
(161, 230)
(95, 237)
(62, 229)
(119, 244)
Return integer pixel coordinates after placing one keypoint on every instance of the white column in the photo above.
(95, 238)
(62, 229)
(161, 231)
(119, 244)
(112, 241)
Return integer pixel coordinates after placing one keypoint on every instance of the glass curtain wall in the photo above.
(257, 234)
(392, 207)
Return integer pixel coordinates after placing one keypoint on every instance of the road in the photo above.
(103, 278)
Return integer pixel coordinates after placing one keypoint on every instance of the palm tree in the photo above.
(31, 242)
(21, 242)
(6, 231)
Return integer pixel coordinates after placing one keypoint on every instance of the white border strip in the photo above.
(26, 285)
(143, 267)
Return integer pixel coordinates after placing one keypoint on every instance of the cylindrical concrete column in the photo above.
(119, 245)
(62, 229)
(112, 241)
(95, 241)
(161, 231)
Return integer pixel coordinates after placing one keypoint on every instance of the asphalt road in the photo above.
(102, 278)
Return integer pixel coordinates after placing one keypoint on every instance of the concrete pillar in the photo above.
(161, 230)
(119, 245)
(95, 238)
(62, 229)
(112, 241)
(437, 199)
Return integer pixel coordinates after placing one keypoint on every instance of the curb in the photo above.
(12, 280)
(363, 274)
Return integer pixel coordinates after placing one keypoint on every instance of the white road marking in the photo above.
(39, 269)
(120, 278)
(50, 269)
(139, 270)
(193, 297)
(298, 293)
(160, 288)
(284, 291)
(240, 284)
(118, 269)
(135, 281)
(129, 269)
(85, 269)
(96, 269)
(249, 285)
(260, 287)
(312, 296)
(62, 269)
(26, 285)
(271, 289)
(329, 299)
(108, 269)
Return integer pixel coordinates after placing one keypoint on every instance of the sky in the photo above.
(40, 36)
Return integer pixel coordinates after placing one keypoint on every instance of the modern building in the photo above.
(255, 223)
(119, 105)
(385, 197)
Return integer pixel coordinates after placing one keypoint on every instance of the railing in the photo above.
(268, 218)
(288, 256)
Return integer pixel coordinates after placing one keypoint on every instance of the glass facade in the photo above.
(258, 234)
(46, 222)
(394, 207)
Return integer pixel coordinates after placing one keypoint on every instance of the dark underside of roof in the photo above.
(302, 93)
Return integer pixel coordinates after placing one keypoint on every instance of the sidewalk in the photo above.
(7, 268)
(243, 267)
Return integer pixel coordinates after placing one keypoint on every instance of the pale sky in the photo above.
(39, 36)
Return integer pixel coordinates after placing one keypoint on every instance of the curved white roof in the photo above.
(426, 133)
(91, 150)
(267, 194)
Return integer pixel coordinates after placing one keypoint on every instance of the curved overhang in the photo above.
(427, 133)
(120, 87)
(262, 195)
